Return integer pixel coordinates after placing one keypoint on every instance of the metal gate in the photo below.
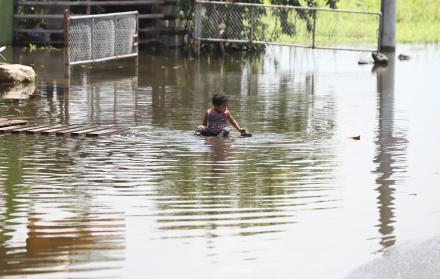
(287, 25)
(96, 38)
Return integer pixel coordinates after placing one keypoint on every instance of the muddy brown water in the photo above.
(300, 199)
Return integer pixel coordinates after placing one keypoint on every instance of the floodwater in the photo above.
(300, 199)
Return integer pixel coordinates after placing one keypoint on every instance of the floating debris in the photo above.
(364, 61)
(404, 57)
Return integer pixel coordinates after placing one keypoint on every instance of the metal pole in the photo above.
(92, 41)
(115, 20)
(197, 29)
(388, 34)
(66, 43)
(314, 29)
(66, 36)
(66, 82)
(136, 44)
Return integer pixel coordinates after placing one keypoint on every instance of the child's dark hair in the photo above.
(219, 99)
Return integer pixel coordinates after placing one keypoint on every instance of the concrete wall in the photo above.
(6, 14)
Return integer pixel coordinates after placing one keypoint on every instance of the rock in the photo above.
(380, 58)
(17, 91)
(15, 73)
(403, 57)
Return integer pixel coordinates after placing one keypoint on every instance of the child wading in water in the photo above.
(215, 119)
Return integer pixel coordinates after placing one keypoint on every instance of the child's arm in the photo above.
(205, 119)
(233, 122)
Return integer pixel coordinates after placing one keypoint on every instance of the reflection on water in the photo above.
(161, 202)
(385, 157)
(49, 225)
(17, 91)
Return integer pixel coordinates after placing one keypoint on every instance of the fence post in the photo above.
(92, 40)
(66, 37)
(314, 29)
(197, 30)
(252, 24)
(379, 39)
(136, 44)
(115, 20)
(388, 34)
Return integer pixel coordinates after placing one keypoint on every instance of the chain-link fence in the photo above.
(287, 25)
(96, 38)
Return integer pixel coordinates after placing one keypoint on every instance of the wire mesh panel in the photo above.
(125, 34)
(347, 30)
(80, 40)
(94, 38)
(286, 25)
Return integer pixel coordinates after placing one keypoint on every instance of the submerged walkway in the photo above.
(22, 127)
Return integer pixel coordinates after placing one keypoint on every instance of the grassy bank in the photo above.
(418, 21)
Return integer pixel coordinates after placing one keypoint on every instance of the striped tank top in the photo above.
(217, 120)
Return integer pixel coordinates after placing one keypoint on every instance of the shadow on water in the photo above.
(17, 91)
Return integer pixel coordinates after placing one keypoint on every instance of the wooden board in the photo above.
(12, 123)
(59, 129)
(18, 127)
(23, 129)
(82, 132)
(68, 131)
(104, 132)
(9, 128)
(42, 128)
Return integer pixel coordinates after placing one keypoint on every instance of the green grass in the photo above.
(418, 21)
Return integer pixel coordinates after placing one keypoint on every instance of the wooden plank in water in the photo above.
(42, 128)
(82, 132)
(24, 129)
(9, 128)
(104, 132)
(12, 123)
(68, 131)
(59, 129)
